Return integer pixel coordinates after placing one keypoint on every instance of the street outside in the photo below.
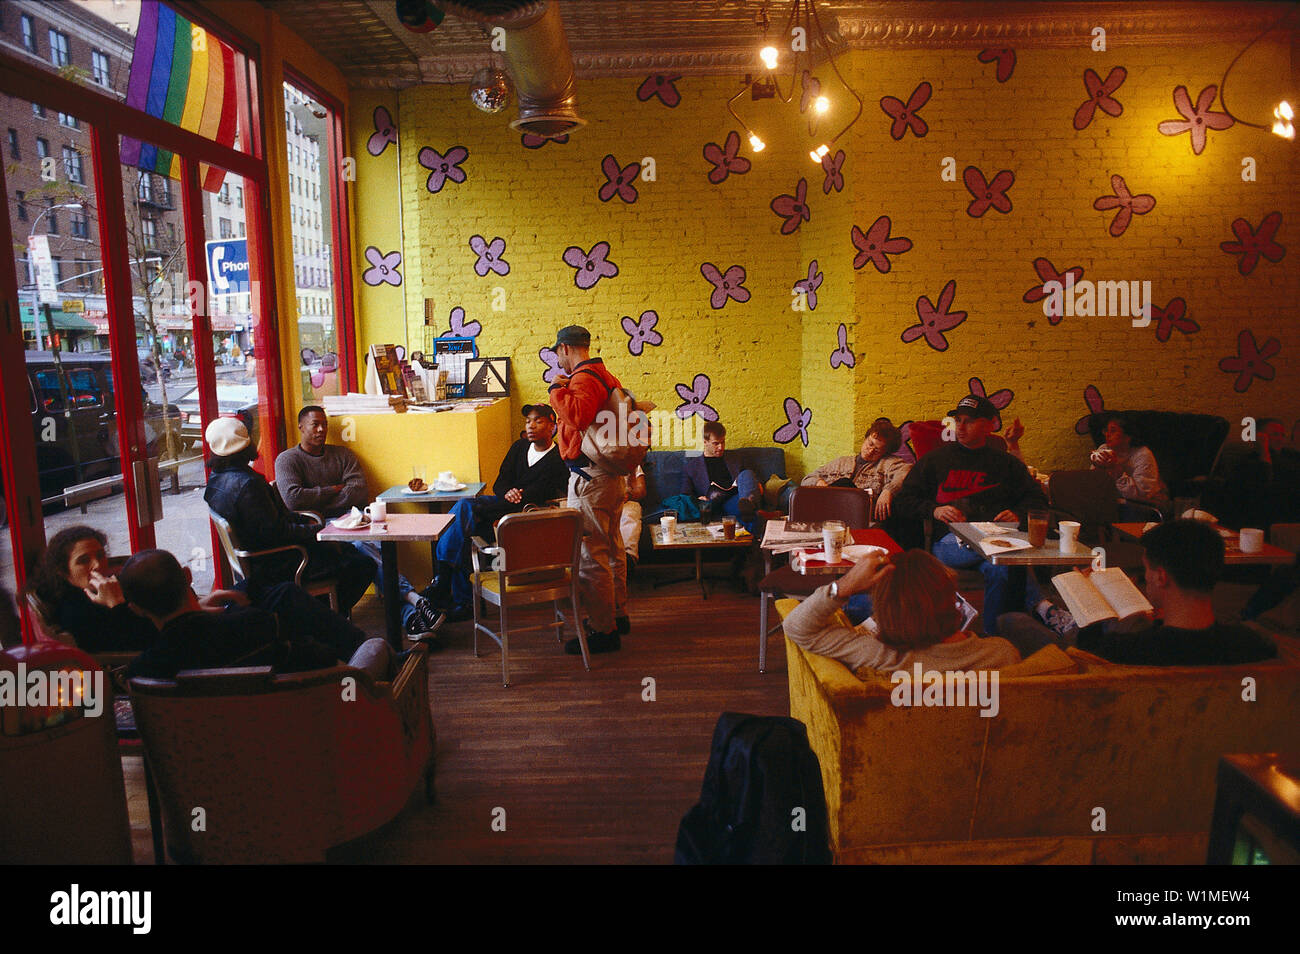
(184, 530)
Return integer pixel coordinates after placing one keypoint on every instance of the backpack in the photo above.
(618, 439)
(761, 769)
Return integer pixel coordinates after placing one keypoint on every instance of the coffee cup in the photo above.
(668, 527)
(832, 537)
(1069, 534)
(1251, 540)
(377, 511)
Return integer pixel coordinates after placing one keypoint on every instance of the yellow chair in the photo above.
(535, 561)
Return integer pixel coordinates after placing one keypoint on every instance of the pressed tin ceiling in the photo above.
(626, 37)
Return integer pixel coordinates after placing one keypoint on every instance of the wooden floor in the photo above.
(585, 770)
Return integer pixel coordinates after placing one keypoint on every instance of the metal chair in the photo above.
(239, 561)
(535, 560)
(812, 505)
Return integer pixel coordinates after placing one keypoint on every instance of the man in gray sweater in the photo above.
(327, 479)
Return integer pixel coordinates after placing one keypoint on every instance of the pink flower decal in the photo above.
(1092, 398)
(876, 246)
(726, 159)
(385, 132)
(460, 328)
(383, 268)
(730, 285)
(988, 194)
(810, 285)
(1171, 317)
(797, 421)
(904, 116)
(1128, 204)
(1251, 361)
(642, 333)
(662, 86)
(1100, 96)
(591, 266)
(693, 399)
(999, 399)
(489, 255)
(831, 165)
(1006, 60)
(549, 358)
(1196, 119)
(1048, 273)
(533, 141)
(618, 180)
(1251, 244)
(842, 355)
(443, 167)
(793, 207)
(935, 320)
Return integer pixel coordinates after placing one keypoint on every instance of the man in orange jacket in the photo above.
(578, 395)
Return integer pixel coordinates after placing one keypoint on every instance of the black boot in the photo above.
(438, 592)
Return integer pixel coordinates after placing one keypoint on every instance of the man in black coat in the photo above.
(261, 521)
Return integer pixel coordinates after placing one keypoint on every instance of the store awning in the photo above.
(61, 321)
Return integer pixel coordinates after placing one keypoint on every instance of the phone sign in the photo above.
(228, 266)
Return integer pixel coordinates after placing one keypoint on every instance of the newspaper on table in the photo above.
(785, 536)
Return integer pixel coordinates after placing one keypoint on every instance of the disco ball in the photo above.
(489, 90)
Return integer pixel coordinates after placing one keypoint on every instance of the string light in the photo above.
(1282, 116)
(768, 55)
(755, 143)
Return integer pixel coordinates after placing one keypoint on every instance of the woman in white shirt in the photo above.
(1133, 468)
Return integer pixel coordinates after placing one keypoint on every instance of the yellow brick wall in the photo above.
(760, 353)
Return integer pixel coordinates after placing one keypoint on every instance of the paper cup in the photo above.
(1069, 530)
(1251, 541)
(668, 526)
(832, 537)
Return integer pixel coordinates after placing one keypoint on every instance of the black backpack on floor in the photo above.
(761, 772)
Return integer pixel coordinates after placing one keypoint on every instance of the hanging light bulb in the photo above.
(1282, 116)
(819, 152)
(755, 143)
(768, 55)
(821, 104)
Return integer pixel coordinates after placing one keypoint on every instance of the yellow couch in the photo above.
(1105, 764)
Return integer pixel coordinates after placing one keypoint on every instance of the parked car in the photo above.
(233, 400)
(74, 419)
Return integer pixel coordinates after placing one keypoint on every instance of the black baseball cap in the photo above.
(543, 409)
(975, 406)
(575, 335)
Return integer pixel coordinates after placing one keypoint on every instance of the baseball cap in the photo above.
(975, 406)
(543, 409)
(573, 335)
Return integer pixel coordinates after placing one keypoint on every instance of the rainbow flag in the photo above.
(183, 74)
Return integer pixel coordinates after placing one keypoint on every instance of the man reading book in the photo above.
(1182, 560)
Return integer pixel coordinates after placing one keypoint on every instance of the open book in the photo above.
(1104, 594)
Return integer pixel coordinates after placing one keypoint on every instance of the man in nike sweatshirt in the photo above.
(966, 480)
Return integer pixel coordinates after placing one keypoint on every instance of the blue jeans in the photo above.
(1004, 586)
(454, 545)
(747, 488)
(403, 584)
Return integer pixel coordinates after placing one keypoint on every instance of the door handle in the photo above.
(148, 494)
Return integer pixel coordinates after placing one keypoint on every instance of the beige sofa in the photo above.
(945, 785)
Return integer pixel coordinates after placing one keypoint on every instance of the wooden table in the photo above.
(1269, 555)
(1049, 554)
(696, 537)
(408, 527)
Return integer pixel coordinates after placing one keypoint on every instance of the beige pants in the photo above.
(602, 576)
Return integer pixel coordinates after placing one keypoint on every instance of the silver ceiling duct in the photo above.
(537, 55)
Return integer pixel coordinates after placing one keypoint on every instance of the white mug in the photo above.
(1069, 534)
(377, 511)
(1251, 541)
(668, 525)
